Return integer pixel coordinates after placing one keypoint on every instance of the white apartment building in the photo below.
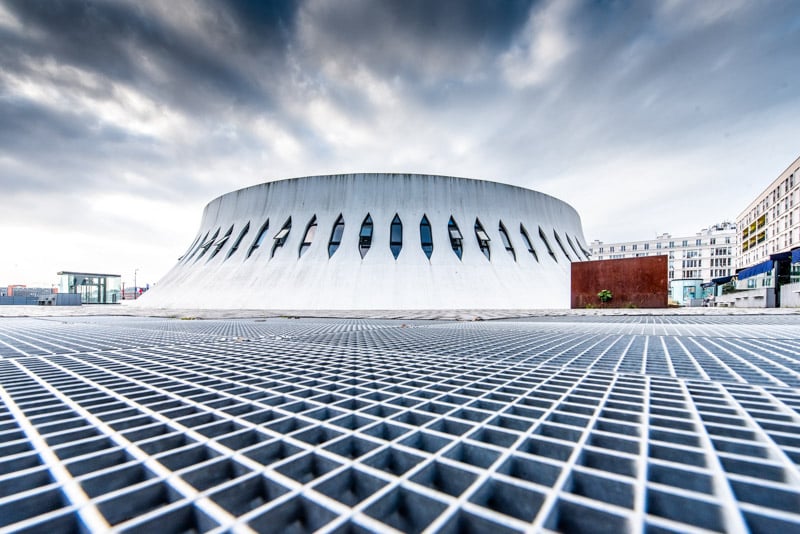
(706, 255)
(771, 223)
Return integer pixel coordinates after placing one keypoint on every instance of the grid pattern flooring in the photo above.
(573, 424)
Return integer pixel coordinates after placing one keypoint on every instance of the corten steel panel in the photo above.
(639, 282)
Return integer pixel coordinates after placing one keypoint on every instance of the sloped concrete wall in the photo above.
(378, 281)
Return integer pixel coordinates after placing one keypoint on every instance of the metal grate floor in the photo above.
(601, 424)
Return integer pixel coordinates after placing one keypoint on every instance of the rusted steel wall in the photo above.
(634, 282)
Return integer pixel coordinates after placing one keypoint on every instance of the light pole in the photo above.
(135, 287)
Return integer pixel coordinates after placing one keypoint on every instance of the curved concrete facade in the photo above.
(282, 273)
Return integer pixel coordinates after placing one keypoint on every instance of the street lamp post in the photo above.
(135, 286)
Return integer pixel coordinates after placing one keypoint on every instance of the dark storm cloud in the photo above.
(60, 150)
(85, 52)
(119, 40)
(416, 40)
(639, 76)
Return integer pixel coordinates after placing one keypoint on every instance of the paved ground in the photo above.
(657, 423)
(131, 308)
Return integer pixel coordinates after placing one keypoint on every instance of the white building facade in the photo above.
(379, 242)
(768, 249)
(771, 223)
(708, 254)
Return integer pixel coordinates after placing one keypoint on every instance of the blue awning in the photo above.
(764, 267)
(779, 256)
(796, 255)
(722, 280)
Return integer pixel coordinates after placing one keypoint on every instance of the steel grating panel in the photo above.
(649, 423)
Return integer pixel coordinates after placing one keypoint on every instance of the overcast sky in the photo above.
(120, 120)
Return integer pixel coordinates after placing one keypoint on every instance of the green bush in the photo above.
(605, 295)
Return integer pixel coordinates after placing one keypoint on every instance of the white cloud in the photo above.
(686, 15)
(8, 20)
(69, 88)
(541, 46)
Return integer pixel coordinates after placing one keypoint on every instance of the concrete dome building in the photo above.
(378, 241)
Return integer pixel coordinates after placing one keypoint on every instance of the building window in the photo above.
(549, 248)
(506, 241)
(336, 235)
(672, 244)
(572, 246)
(634, 247)
(698, 242)
(455, 237)
(259, 239)
(561, 245)
(221, 242)
(207, 245)
(365, 236)
(526, 238)
(280, 238)
(483, 239)
(199, 246)
(611, 248)
(425, 236)
(658, 246)
(586, 253)
(238, 240)
(308, 238)
(685, 243)
(396, 236)
(621, 248)
(190, 249)
(647, 246)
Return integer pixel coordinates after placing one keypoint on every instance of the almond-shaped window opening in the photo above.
(207, 245)
(483, 239)
(585, 252)
(547, 245)
(262, 233)
(396, 236)
(336, 235)
(238, 241)
(197, 247)
(365, 236)
(572, 246)
(311, 231)
(280, 238)
(426, 236)
(528, 244)
(221, 243)
(506, 241)
(561, 245)
(191, 247)
(455, 237)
